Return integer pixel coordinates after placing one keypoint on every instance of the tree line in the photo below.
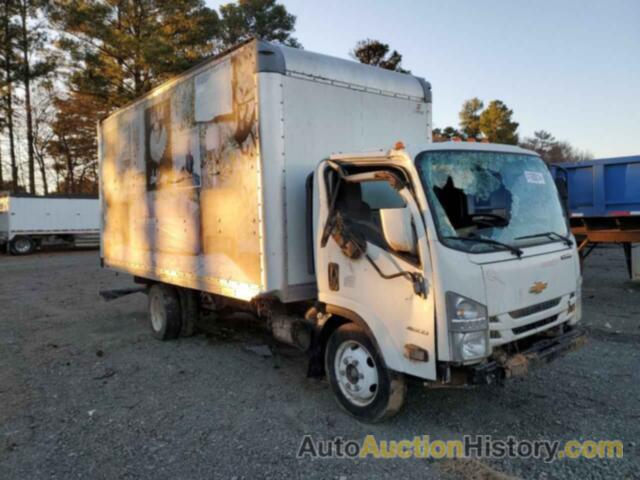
(493, 123)
(64, 64)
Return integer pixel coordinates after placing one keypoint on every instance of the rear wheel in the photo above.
(361, 383)
(190, 311)
(22, 246)
(164, 311)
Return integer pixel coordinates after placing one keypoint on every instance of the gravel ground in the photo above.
(85, 392)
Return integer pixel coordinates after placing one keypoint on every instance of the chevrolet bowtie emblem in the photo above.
(538, 287)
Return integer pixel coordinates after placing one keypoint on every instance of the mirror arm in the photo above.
(415, 278)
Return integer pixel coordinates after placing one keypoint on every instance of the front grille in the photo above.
(534, 325)
(539, 307)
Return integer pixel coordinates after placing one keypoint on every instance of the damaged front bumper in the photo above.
(519, 364)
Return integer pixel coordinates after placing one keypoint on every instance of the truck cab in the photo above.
(449, 262)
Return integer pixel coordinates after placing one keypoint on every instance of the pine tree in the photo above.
(376, 53)
(496, 124)
(264, 19)
(470, 117)
(118, 51)
(123, 49)
(73, 144)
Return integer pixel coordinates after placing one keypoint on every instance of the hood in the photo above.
(516, 283)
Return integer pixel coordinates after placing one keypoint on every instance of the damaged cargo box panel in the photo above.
(202, 179)
(179, 181)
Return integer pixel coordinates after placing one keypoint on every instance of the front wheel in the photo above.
(361, 383)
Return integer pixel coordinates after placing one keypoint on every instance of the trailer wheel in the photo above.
(22, 246)
(361, 383)
(164, 311)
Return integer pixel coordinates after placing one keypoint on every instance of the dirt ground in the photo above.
(86, 392)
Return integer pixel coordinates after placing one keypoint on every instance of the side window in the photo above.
(361, 204)
(381, 194)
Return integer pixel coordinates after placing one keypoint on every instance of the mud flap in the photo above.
(108, 295)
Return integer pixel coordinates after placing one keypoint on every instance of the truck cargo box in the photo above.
(203, 179)
(37, 217)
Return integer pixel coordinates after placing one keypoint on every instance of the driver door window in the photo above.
(361, 203)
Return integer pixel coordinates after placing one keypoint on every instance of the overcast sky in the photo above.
(567, 66)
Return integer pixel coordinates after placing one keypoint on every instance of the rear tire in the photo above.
(190, 310)
(165, 317)
(22, 246)
(360, 381)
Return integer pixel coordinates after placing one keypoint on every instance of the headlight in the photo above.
(470, 346)
(468, 328)
(465, 315)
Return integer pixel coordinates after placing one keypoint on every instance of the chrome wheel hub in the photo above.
(356, 373)
(157, 313)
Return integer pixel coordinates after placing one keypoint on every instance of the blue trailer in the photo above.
(603, 201)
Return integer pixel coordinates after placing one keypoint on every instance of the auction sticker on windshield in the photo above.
(534, 177)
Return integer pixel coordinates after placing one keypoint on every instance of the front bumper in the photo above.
(540, 352)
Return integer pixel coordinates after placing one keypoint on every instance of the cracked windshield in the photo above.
(488, 201)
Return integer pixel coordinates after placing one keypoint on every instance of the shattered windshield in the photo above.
(494, 196)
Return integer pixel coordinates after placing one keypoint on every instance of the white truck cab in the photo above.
(452, 257)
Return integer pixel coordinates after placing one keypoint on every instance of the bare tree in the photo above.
(36, 62)
(8, 34)
(552, 150)
(43, 117)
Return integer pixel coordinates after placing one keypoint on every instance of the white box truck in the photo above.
(28, 221)
(305, 189)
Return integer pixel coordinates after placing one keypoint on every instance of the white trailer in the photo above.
(29, 221)
(274, 180)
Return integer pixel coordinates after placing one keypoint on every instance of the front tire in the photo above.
(165, 317)
(22, 246)
(360, 381)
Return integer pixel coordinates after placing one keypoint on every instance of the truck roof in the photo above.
(415, 149)
(299, 62)
(273, 58)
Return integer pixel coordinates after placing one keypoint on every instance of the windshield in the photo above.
(493, 197)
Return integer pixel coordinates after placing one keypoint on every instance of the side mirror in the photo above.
(398, 230)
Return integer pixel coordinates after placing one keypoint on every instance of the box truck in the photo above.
(28, 221)
(305, 189)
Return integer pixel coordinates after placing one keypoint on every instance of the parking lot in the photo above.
(86, 392)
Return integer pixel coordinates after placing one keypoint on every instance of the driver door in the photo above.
(358, 270)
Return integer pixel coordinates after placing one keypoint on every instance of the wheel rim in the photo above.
(356, 373)
(22, 245)
(157, 313)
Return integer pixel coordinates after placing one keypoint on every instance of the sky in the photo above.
(566, 66)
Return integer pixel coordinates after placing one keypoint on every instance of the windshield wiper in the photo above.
(551, 235)
(515, 250)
